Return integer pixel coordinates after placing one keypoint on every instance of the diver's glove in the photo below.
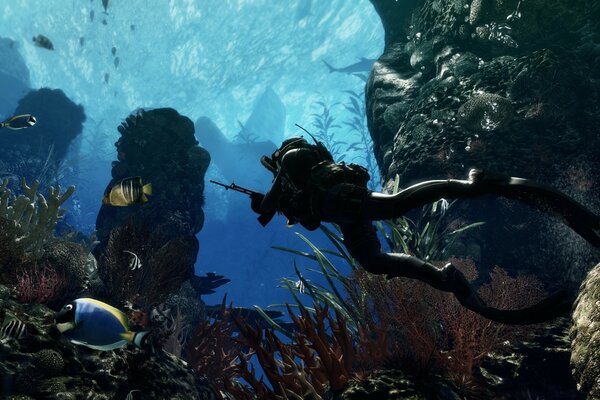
(256, 202)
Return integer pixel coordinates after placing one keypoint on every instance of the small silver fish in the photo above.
(135, 262)
(130, 394)
(299, 285)
(14, 329)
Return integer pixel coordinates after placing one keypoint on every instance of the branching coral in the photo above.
(34, 216)
(212, 350)
(162, 267)
(436, 331)
(322, 357)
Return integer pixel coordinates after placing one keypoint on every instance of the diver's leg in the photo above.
(361, 240)
(363, 244)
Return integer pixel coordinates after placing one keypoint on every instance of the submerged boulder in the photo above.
(500, 86)
(585, 335)
(159, 146)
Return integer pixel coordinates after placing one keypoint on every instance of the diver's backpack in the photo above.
(327, 174)
(273, 163)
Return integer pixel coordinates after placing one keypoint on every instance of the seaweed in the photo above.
(357, 122)
(324, 122)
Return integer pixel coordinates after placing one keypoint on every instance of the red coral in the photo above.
(322, 356)
(435, 331)
(40, 285)
(212, 349)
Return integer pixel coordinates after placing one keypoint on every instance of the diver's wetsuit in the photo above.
(353, 207)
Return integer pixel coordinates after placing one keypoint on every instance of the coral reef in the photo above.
(497, 85)
(165, 263)
(33, 216)
(43, 365)
(39, 266)
(585, 335)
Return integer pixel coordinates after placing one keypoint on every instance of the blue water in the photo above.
(204, 58)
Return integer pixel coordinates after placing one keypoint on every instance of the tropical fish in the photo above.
(113, 50)
(13, 329)
(43, 41)
(19, 122)
(117, 62)
(130, 394)
(92, 13)
(81, 41)
(135, 262)
(106, 78)
(364, 65)
(128, 191)
(105, 5)
(97, 325)
(299, 285)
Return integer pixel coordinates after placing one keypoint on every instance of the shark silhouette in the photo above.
(364, 65)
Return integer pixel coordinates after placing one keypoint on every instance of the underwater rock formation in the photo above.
(14, 76)
(507, 86)
(158, 145)
(43, 365)
(585, 335)
(39, 152)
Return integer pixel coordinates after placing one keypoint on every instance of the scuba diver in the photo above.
(310, 188)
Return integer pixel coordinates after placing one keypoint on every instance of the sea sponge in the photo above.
(486, 112)
(49, 362)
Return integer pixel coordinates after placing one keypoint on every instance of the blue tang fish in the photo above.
(96, 325)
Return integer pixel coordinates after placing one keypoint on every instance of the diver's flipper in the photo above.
(553, 306)
(550, 201)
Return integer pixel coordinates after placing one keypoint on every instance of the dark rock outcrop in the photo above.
(37, 152)
(585, 335)
(158, 145)
(43, 365)
(497, 85)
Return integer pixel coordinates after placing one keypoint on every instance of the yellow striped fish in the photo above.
(128, 191)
